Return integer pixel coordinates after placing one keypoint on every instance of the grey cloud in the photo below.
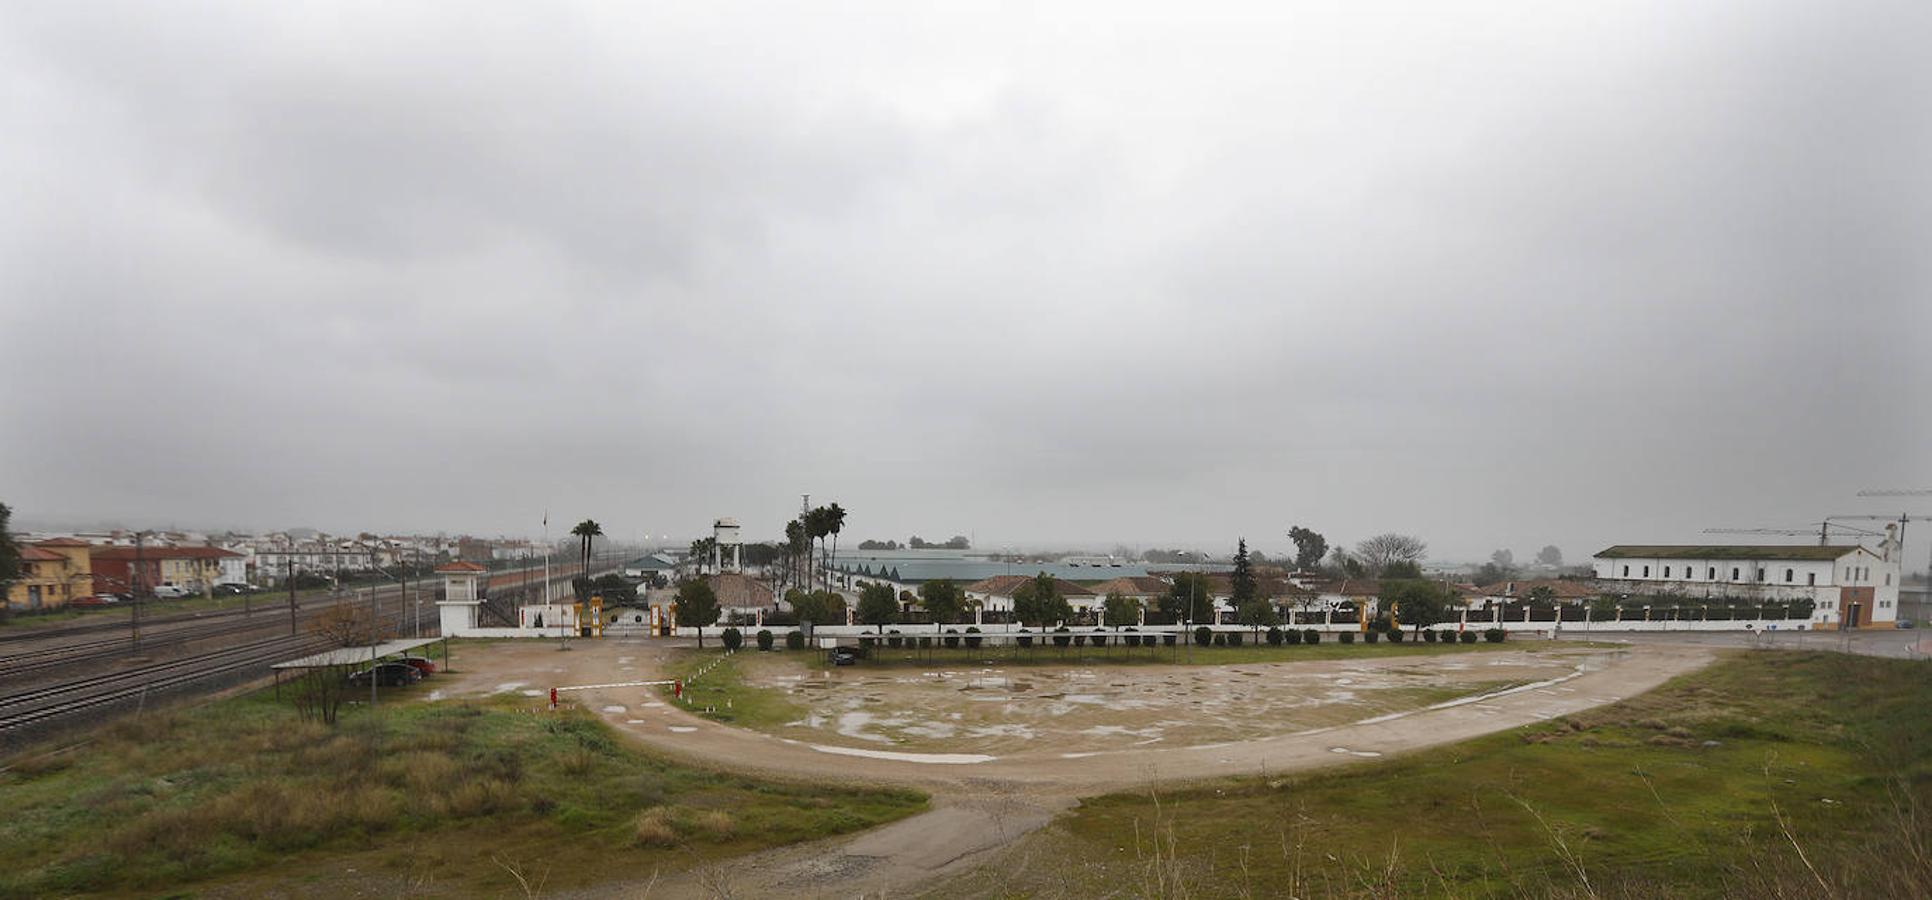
(1499, 274)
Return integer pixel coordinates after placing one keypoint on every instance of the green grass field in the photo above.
(1708, 786)
(244, 788)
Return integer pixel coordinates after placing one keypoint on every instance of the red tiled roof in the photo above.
(146, 553)
(1564, 590)
(31, 553)
(61, 542)
(461, 565)
(1355, 587)
(1132, 586)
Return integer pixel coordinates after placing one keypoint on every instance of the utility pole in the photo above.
(134, 583)
(289, 561)
(374, 632)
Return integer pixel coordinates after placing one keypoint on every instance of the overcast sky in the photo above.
(1496, 274)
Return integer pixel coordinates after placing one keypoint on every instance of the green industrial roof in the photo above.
(1745, 551)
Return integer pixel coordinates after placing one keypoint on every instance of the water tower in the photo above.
(724, 533)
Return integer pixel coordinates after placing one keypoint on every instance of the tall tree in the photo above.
(9, 554)
(834, 523)
(817, 526)
(1416, 601)
(1039, 601)
(1310, 547)
(1190, 598)
(1377, 552)
(1242, 587)
(798, 542)
(878, 606)
(1504, 561)
(1550, 555)
(1120, 609)
(696, 605)
(942, 599)
(586, 531)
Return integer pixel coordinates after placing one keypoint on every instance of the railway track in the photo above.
(25, 712)
(25, 709)
(269, 605)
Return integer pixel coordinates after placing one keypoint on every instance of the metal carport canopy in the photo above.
(350, 656)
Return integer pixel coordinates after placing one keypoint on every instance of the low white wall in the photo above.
(1003, 632)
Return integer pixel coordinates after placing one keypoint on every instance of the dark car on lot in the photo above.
(422, 664)
(389, 674)
(845, 656)
(231, 589)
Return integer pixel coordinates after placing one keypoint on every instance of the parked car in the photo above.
(231, 589)
(389, 674)
(845, 656)
(422, 664)
(170, 592)
(96, 600)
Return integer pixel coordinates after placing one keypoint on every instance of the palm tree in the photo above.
(799, 544)
(816, 527)
(834, 522)
(585, 531)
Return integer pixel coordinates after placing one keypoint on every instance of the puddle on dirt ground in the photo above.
(987, 710)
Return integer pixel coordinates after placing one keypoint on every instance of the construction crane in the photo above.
(1822, 531)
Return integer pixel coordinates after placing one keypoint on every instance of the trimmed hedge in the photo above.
(1234, 638)
(1203, 636)
(733, 638)
(1274, 636)
(972, 638)
(764, 639)
(1372, 636)
(1468, 637)
(1429, 636)
(952, 638)
(1310, 636)
(1220, 640)
(1493, 635)
(1291, 636)
(1348, 637)
(1062, 637)
(795, 640)
(1024, 638)
(1395, 636)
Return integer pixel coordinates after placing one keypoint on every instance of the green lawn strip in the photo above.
(721, 693)
(1669, 793)
(244, 786)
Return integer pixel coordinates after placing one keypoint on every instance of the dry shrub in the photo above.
(717, 823)
(342, 754)
(481, 797)
(655, 828)
(577, 761)
(420, 772)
